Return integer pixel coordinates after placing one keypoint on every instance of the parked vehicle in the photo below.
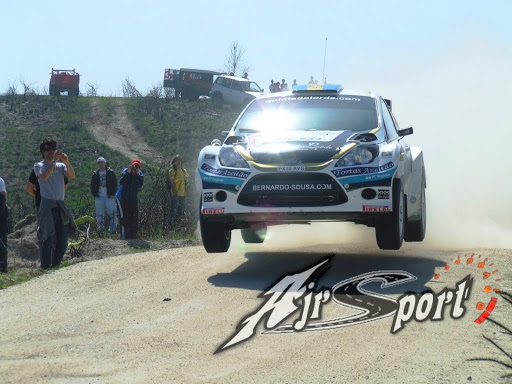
(236, 91)
(63, 80)
(318, 153)
(189, 83)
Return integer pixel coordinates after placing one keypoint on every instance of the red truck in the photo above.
(64, 80)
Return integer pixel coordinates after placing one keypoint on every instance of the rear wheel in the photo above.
(256, 233)
(415, 230)
(217, 100)
(216, 237)
(390, 227)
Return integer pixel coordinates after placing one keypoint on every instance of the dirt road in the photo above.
(118, 132)
(106, 321)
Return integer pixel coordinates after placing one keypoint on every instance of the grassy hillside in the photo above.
(169, 126)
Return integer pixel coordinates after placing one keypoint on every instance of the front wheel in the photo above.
(390, 227)
(216, 237)
(255, 234)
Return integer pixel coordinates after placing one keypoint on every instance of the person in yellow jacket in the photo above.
(178, 181)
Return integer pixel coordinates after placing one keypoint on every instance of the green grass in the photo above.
(14, 276)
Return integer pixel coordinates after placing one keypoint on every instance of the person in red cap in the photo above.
(131, 182)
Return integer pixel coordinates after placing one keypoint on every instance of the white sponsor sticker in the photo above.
(375, 208)
(212, 211)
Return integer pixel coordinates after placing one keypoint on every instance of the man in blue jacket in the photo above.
(103, 188)
(131, 181)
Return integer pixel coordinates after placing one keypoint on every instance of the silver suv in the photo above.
(233, 90)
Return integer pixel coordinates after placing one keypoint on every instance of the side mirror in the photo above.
(224, 134)
(405, 131)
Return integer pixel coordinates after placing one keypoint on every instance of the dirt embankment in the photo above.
(118, 132)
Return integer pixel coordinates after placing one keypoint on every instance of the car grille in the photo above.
(292, 190)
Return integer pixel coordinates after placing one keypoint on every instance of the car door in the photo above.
(226, 90)
(237, 93)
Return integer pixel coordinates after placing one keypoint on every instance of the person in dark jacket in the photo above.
(131, 182)
(3, 227)
(103, 188)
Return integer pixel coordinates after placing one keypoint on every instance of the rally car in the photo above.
(317, 153)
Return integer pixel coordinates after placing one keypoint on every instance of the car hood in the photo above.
(254, 94)
(296, 147)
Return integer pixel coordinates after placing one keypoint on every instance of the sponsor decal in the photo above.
(295, 302)
(208, 197)
(225, 172)
(212, 211)
(208, 156)
(291, 168)
(362, 170)
(386, 153)
(292, 187)
(375, 208)
(383, 194)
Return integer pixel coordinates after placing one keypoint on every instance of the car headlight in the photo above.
(228, 157)
(358, 156)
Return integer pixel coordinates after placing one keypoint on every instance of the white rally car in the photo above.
(317, 153)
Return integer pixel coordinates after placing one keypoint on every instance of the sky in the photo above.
(446, 65)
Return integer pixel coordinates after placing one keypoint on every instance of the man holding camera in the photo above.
(54, 215)
(131, 181)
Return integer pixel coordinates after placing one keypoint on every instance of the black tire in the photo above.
(216, 237)
(255, 234)
(415, 230)
(217, 100)
(390, 227)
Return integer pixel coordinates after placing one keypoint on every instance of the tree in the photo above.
(129, 89)
(235, 59)
(92, 90)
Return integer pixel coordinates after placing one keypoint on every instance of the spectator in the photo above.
(33, 190)
(245, 76)
(284, 86)
(54, 215)
(131, 182)
(294, 83)
(277, 87)
(231, 73)
(103, 188)
(311, 80)
(178, 179)
(3, 227)
(271, 86)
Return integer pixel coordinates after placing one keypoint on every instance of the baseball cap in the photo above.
(101, 160)
(136, 161)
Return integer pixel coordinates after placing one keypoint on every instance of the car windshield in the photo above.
(250, 86)
(310, 113)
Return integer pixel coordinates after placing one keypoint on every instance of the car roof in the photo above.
(199, 71)
(351, 92)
